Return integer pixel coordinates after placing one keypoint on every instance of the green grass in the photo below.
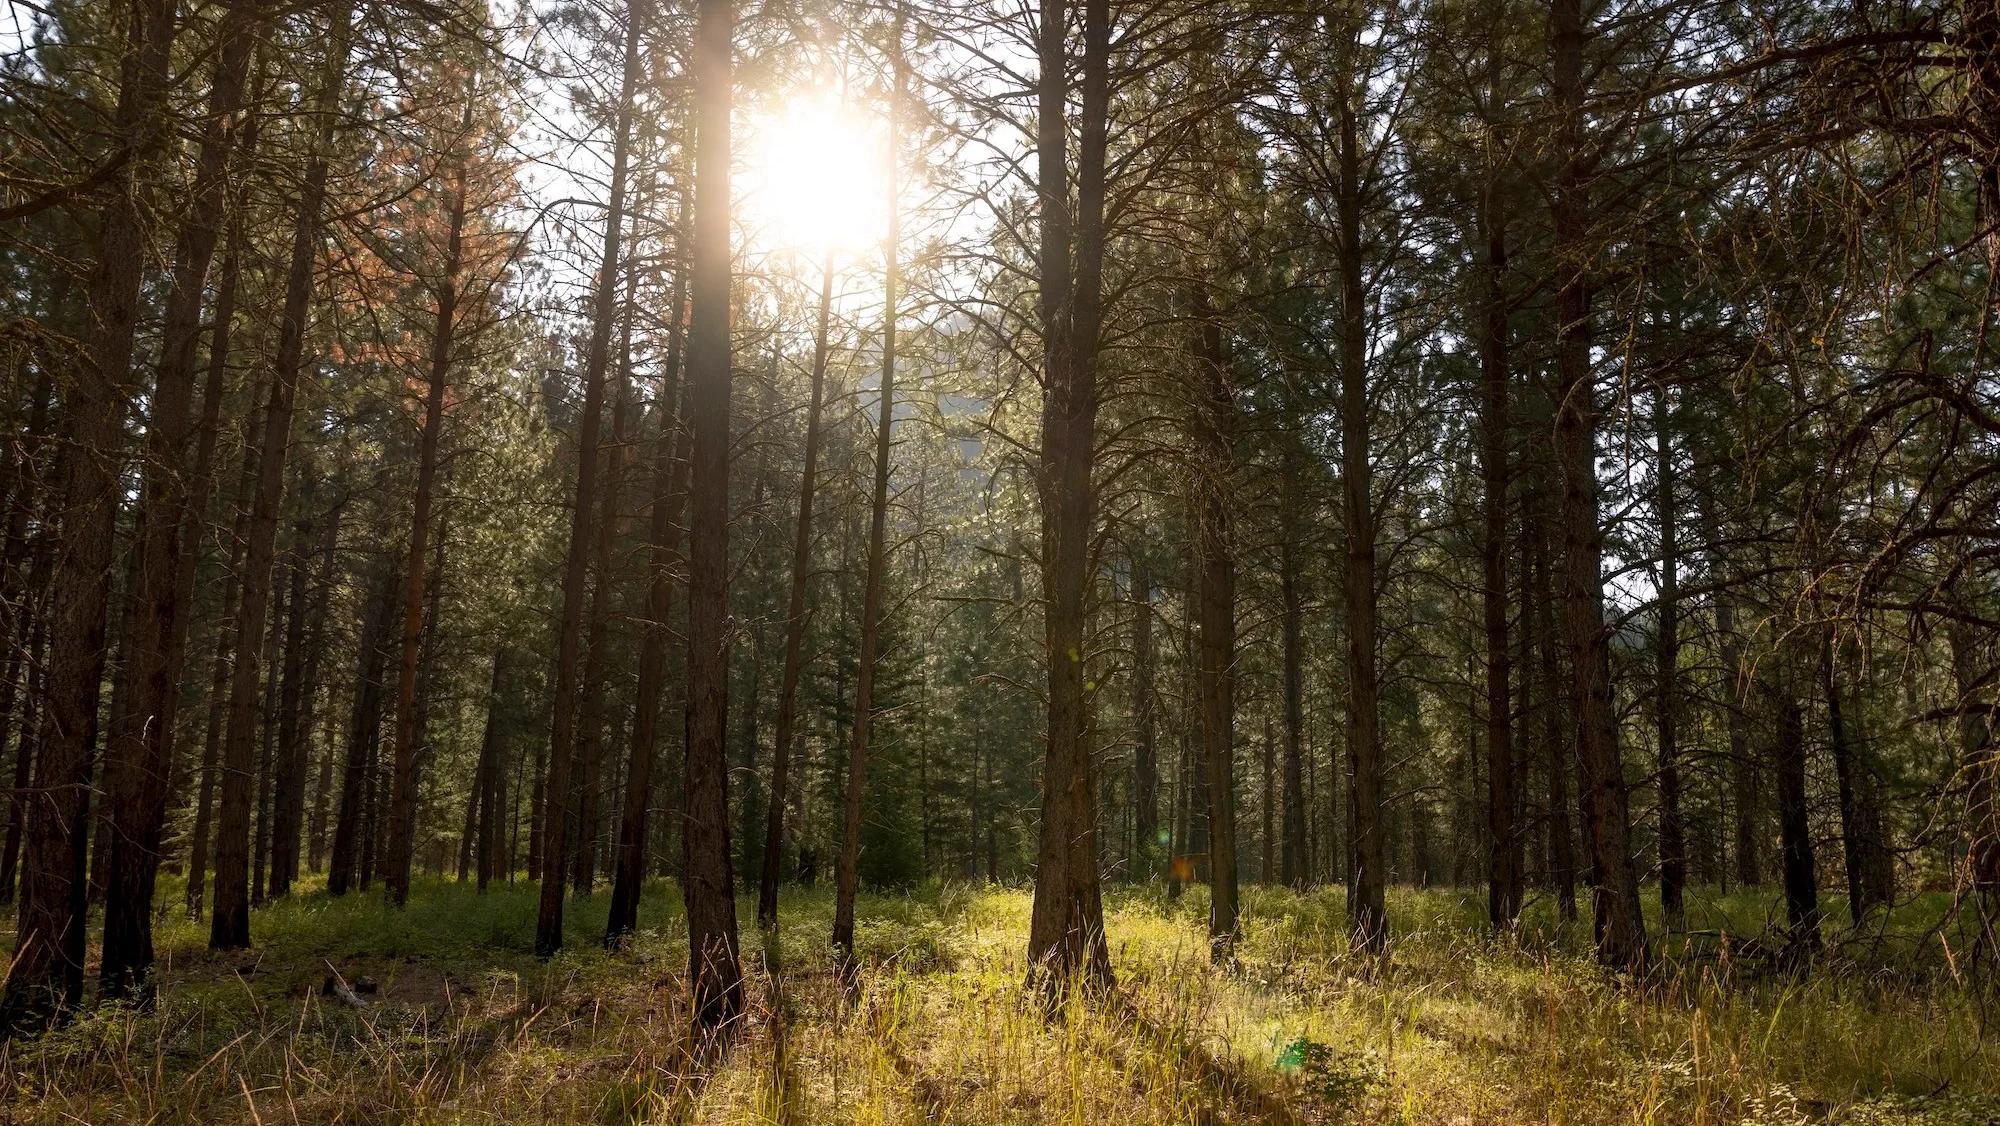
(1455, 1027)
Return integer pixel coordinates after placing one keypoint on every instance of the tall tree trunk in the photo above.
(1145, 722)
(139, 752)
(1673, 835)
(664, 550)
(229, 922)
(301, 694)
(1503, 899)
(591, 738)
(1858, 843)
(283, 609)
(363, 730)
(23, 629)
(1066, 929)
(796, 615)
(848, 875)
(1295, 860)
(1367, 913)
(493, 747)
(1216, 609)
(1620, 928)
(444, 331)
(1979, 760)
(45, 979)
(554, 838)
(708, 887)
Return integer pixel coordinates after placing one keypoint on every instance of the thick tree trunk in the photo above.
(708, 886)
(139, 753)
(1066, 929)
(554, 837)
(229, 922)
(847, 878)
(1620, 928)
(45, 978)
(444, 330)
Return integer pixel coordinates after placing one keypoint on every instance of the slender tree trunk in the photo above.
(1066, 929)
(591, 712)
(1620, 928)
(294, 735)
(1795, 832)
(1979, 760)
(1366, 911)
(1216, 609)
(797, 618)
(1145, 722)
(24, 622)
(45, 979)
(1295, 860)
(493, 747)
(271, 696)
(363, 730)
(1673, 835)
(664, 540)
(848, 874)
(444, 331)
(554, 838)
(708, 887)
(1503, 900)
(229, 923)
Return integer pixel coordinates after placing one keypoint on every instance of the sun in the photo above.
(814, 182)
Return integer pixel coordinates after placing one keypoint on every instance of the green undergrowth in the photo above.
(1455, 1026)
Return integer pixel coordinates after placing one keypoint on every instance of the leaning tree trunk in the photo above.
(796, 616)
(708, 885)
(554, 844)
(45, 978)
(1066, 928)
(1620, 927)
(229, 922)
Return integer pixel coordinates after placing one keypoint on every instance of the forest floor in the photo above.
(466, 1026)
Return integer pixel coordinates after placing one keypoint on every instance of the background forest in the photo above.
(1396, 560)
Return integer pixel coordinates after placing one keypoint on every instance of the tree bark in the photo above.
(139, 752)
(363, 730)
(301, 695)
(797, 617)
(554, 838)
(493, 748)
(229, 922)
(1503, 898)
(1066, 928)
(1295, 859)
(1673, 836)
(1145, 721)
(664, 546)
(847, 877)
(1795, 832)
(444, 331)
(1620, 928)
(45, 979)
(1216, 607)
(708, 887)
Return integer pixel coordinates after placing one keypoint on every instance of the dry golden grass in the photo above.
(1455, 1027)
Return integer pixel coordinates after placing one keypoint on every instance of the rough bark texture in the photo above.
(1788, 755)
(139, 750)
(708, 885)
(1673, 835)
(1216, 608)
(1503, 898)
(229, 922)
(1066, 929)
(1620, 928)
(45, 979)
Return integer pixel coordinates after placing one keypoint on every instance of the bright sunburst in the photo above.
(814, 181)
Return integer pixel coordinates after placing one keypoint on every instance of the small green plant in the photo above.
(1339, 1080)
